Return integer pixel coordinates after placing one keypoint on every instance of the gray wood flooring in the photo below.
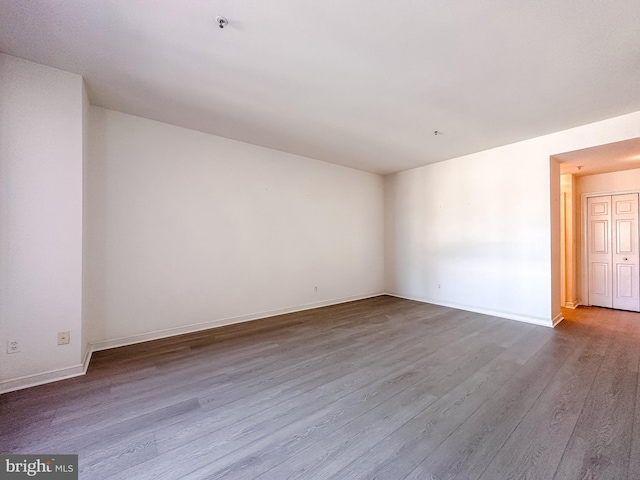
(381, 388)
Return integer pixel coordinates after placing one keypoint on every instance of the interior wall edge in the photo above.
(557, 319)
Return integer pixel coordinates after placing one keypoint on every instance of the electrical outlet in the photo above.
(63, 338)
(13, 346)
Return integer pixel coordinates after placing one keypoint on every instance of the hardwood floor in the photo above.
(380, 388)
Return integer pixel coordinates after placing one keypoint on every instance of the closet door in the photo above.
(624, 243)
(612, 237)
(599, 245)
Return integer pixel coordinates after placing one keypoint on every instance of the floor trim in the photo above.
(36, 379)
(494, 313)
(171, 332)
(557, 319)
(70, 372)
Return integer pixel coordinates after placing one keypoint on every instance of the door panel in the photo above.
(600, 279)
(599, 241)
(599, 206)
(625, 236)
(626, 288)
(624, 206)
(600, 237)
(625, 281)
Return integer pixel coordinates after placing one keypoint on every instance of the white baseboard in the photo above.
(61, 374)
(544, 322)
(572, 305)
(557, 319)
(36, 379)
(172, 332)
(86, 358)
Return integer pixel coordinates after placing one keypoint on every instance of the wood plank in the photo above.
(634, 459)
(226, 434)
(378, 388)
(535, 447)
(402, 451)
(600, 446)
(327, 438)
(472, 446)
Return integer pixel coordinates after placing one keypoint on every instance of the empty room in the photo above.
(319, 240)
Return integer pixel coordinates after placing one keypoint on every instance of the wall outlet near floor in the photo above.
(63, 338)
(13, 346)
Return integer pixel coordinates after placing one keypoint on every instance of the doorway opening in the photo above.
(604, 172)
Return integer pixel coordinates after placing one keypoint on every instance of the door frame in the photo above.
(584, 247)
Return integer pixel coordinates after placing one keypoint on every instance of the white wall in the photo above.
(189, 229)
(569, 224)
(41, 220)
(477, 228)
(556, 239)
(480, 225)
(609, 182)
(85, 158)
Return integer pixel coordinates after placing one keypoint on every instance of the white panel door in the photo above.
(599, 245)
(612, 237)
(624, 242)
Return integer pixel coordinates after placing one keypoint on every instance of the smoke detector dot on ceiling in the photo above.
(222, 22)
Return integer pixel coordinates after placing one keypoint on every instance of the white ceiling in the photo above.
(362, 83)
(612, 157)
